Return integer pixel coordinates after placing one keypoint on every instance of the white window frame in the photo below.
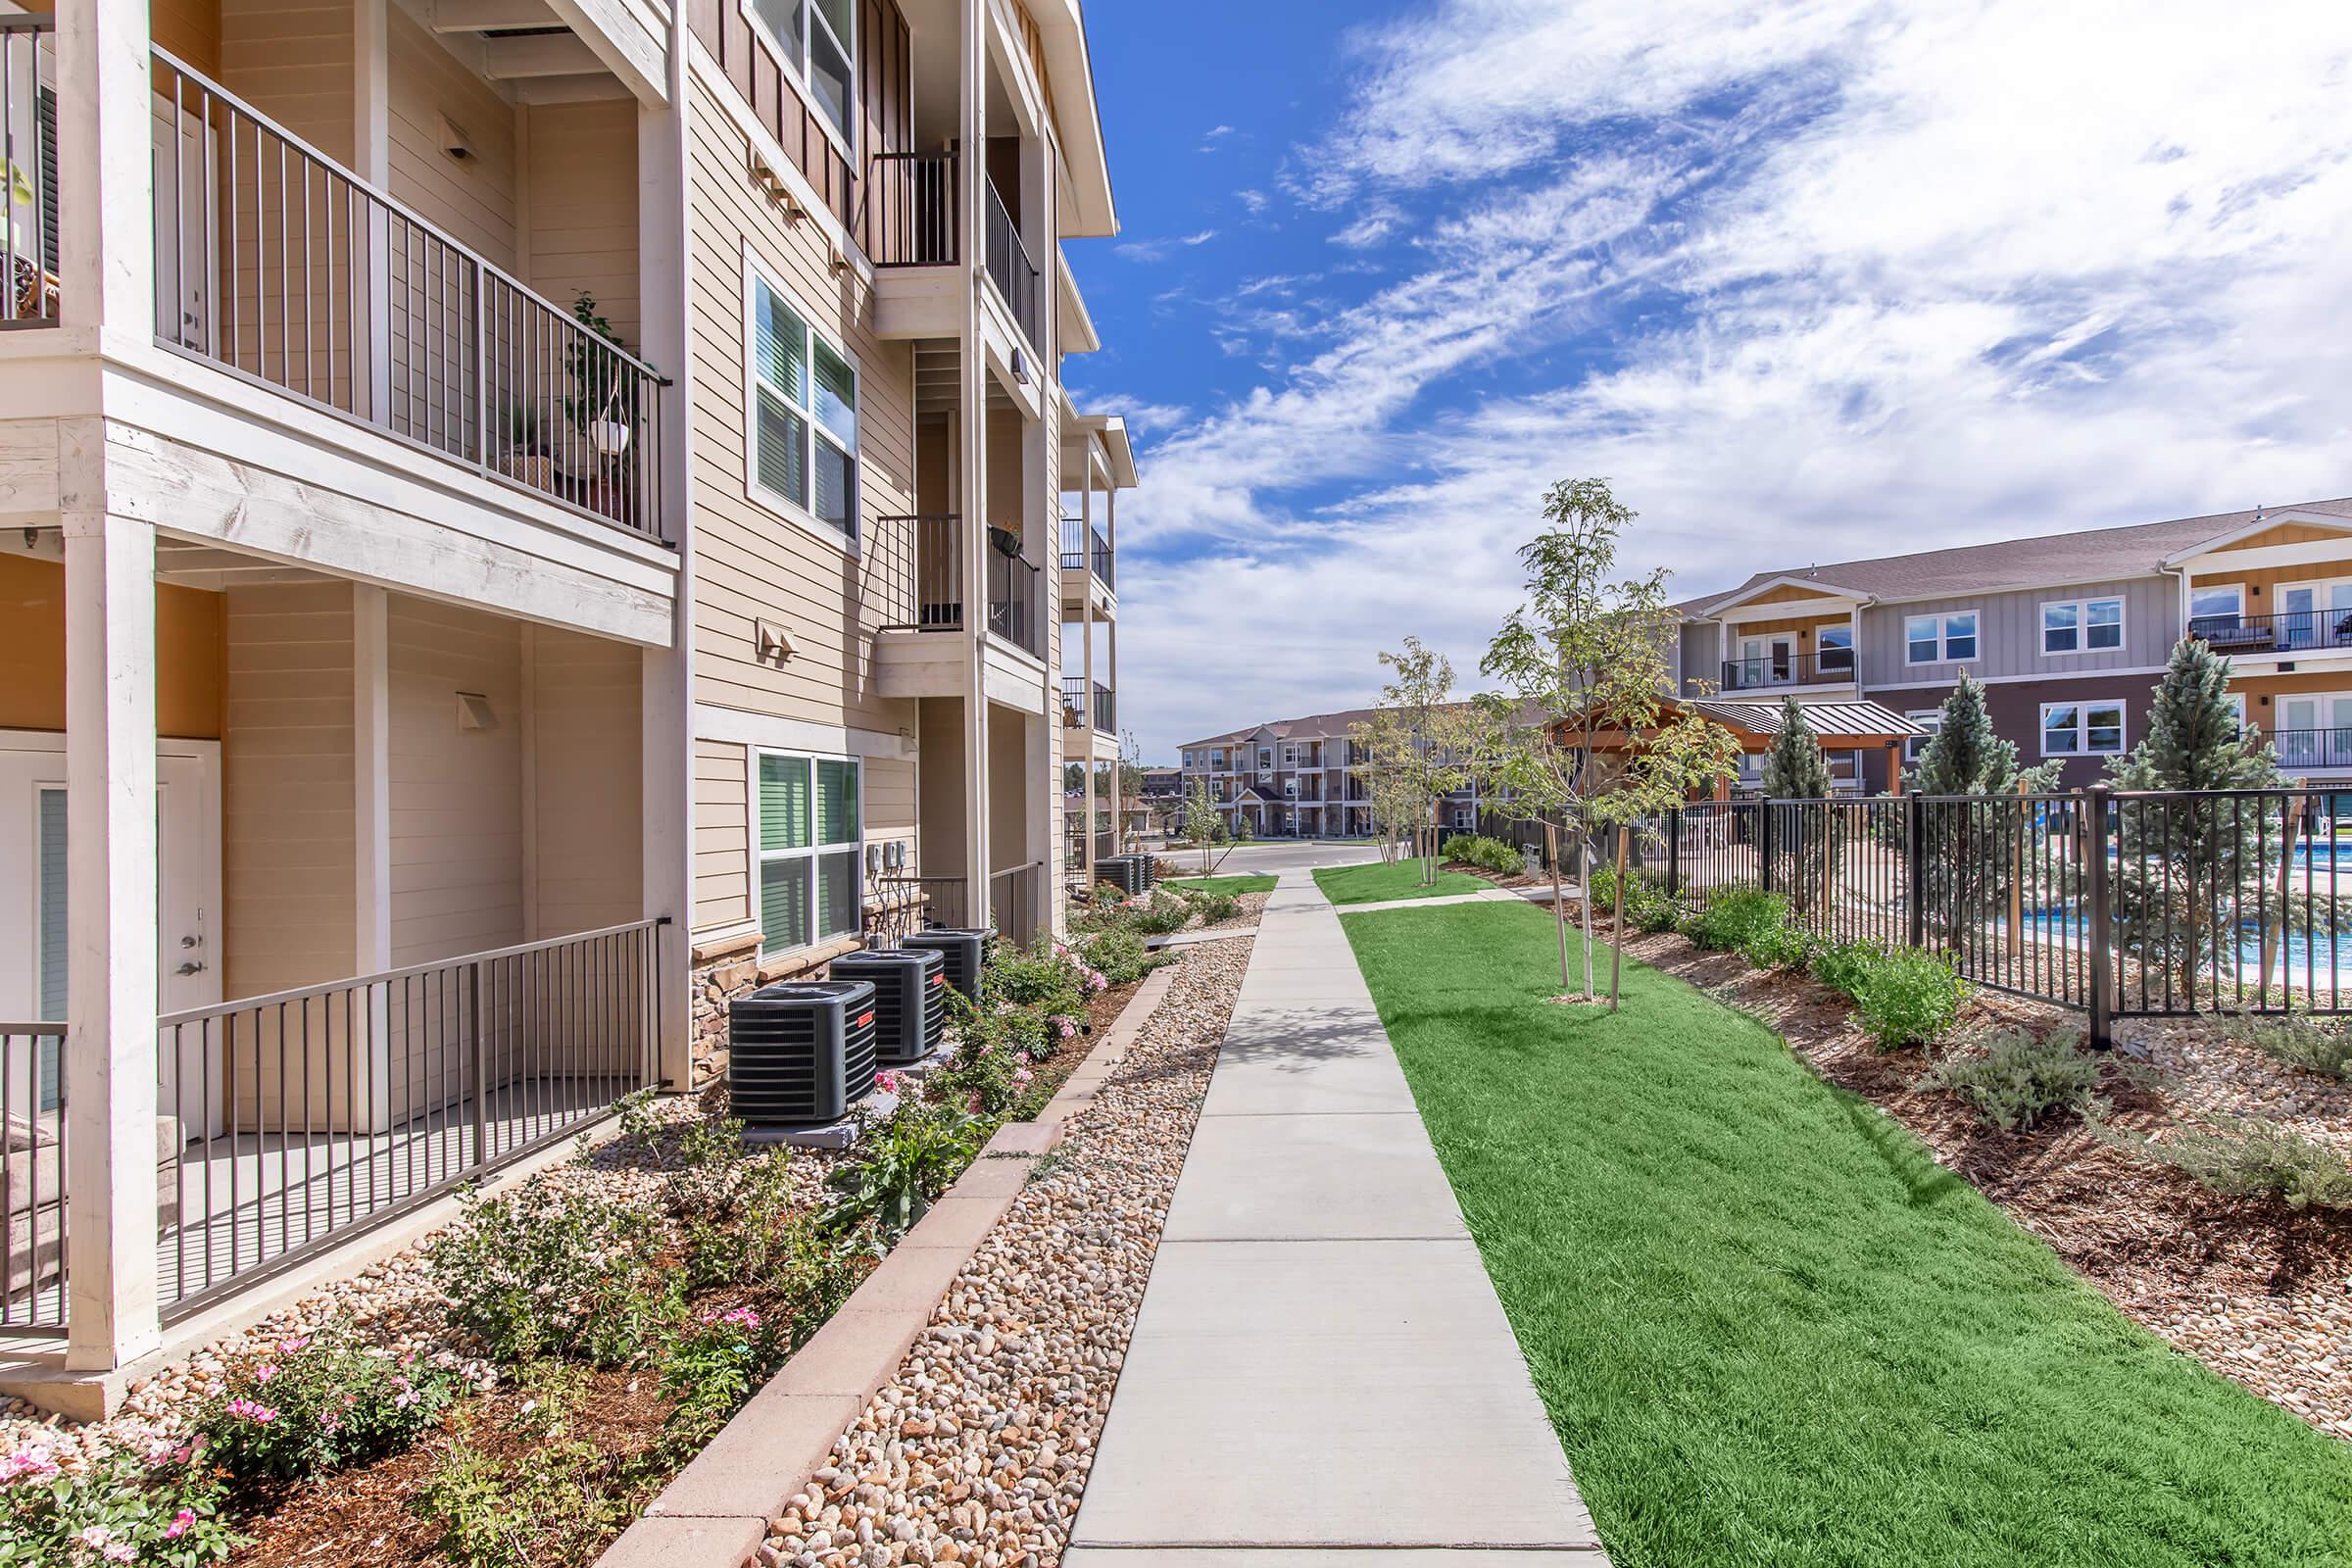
(758, 856)
(2237, 588)
(757, 274)
(2319, 587)
(796, 70)
(1929, 720)
(2083, 707)
(1822, 646)
(1943, 619)
(2081, 628)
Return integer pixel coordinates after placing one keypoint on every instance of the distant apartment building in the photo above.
(2068, 632)
(1300, 778)
(523, 520)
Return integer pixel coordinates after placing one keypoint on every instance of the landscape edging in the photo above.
(715, 1512)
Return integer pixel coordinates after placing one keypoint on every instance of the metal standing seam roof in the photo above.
(1830, 720)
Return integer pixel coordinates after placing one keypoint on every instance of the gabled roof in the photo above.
(1765, 585)
(2089, 555)
(2263, 522)
(1830, 720)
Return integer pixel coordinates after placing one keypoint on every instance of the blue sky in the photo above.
(1806, 281)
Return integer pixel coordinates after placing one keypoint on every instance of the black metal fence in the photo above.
(2117, 903)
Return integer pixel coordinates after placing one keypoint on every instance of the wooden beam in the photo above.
(540, 54)
(488, 16)
(599, 87)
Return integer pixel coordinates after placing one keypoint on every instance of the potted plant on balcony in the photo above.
(602, 403)
(528, 455)
(33, 288)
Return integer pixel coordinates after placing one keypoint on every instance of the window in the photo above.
(1946, 639)
(2082, 626)
(804, 413)
(2082, 729)
(1837, 649)
(817, 41)
(810, 882)
(1289, 755)
(1929, 720)
(2215, 608)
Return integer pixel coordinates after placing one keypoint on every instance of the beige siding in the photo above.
(474, 201)
(721, 813)
(753, 563)
(587, 782)
(189, 30)
(456, 794)
(292, 59)
(289, 854)
(580, 193)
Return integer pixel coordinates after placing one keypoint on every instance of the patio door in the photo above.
(2315, 731)
(33, 911)
(1765, 660)
(2316, 614)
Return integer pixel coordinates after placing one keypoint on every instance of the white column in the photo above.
(110, 867)
(105, 170)
(372, 834)
(972, 405)
(665, 692)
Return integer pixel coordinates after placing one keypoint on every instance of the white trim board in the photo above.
(736, 727)
(2041, 677)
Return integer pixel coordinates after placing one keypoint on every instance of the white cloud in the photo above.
(1867, 276)
(1200, 239)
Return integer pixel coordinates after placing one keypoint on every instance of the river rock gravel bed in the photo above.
(978, 1451)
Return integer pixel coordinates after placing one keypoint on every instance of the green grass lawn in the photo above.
(1236, 885)
(1375, 883)
(1770, 1329)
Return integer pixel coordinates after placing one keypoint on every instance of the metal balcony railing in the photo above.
(2293, 630)
(916, 565)
(1829, 667)
(1103, 710)
(1084, 549)
(1009, 265)
(1014, 582)
(29, 238)
(277, 264)
(2313, 748)
(1015, 902)
(32, 1113)
(913, 210)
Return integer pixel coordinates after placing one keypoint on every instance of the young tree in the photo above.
(2186, 862)
(1584, 659)
(1967, 860)
(1203, 826)
(1965, 757)
(1383, 742)
(1796, 770)
(1424, 743)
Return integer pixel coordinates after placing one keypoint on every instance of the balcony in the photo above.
(2308, 748)
(28, 241)
(915, 210)
(919, 560)
(279, 265)
(1077, 710)
(2290, 632)
(1830, 666)
(1007, 262)
(1084, 549)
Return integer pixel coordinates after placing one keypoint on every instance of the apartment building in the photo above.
(2069, 633)
(1300, 778)
(524, 519)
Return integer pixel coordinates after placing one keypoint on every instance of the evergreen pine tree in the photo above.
(1966, 758)
(1794, 769)
(2193, 740)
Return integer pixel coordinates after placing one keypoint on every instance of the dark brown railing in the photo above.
(1084, 548)
(1009, 265)
(2313, 748)
(2286, 631)
(308, 1115)
(278, 264)
(32, 1186)
(1012, 610)
(29, 238)
(1828, 666)
(917, 559)
(1015, 900)
(1075, 705)
(913, 210)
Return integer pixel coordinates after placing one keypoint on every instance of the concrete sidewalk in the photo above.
(1320, 1363)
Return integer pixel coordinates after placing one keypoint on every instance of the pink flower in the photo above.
(181, 1522)
(1067, 1029)
(408, 1395)
(265, 1372)
(1020, 1076)
(95, 1536)
(30, 1464)
(120, 1551)
(975, 1103)
(887, 1080)
(299, 1342)
(249, 1410)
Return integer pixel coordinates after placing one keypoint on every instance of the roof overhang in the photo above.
(2260, 525)
(1814, 585)
(1088, 211)
(1077, 323)
(1119, 449)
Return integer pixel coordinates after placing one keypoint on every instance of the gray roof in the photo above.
(1830, 720)
(2088, 555)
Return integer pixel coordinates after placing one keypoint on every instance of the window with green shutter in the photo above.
(811, 881)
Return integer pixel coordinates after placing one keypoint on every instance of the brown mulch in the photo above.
(2168, 1252)
(368, 1517)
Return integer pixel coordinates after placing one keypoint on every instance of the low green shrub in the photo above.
(541, 1272)
(1908, 997)
(540, 1493)
(910, 1159)
(1216, 909)
(1646, 908)
(163, 1510)
(1783, 947)
(1043, 974)
(710, 1366)
(1737, 921)
(1486, 854)
(2298, 1039)
(1162, 914)
(2245, 1156)
(2016, 1078)
(1119, 957)
(316, 1404)
(1840, 965)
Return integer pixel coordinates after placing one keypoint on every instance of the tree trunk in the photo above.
(1617, 926)
(1559, 911)
(1585, 838)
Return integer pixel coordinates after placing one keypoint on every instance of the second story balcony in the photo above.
(280, 265)
(1080, 711)
(922, 559)
(2288, 631)
(1830, 666)
(1084, 549)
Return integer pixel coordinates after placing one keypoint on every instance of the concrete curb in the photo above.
(715, 1512)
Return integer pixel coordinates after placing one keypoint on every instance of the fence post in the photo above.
(1915, 860)
(1764, 845)
(2099, 933)
(1673, 852)
(481, 1064)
